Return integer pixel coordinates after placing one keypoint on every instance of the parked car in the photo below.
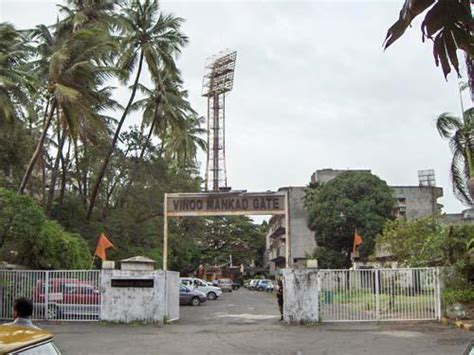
(67, 298)
(191, 296)
(225, 285)
(211, 292)
(270, 286)
(253, 284)
(262, 284)
(235, 285)
(246, 283)
(23, 340)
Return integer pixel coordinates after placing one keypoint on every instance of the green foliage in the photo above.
(15, 150)
(35, 241)
(458, 132)
(87, 173)
(414, 243)
(447, 22)
(353, 200)
(20, 218)
(53, 248)
(427, 242)
(451, 296)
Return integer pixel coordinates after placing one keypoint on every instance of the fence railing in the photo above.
(56, 295)
(379, 295)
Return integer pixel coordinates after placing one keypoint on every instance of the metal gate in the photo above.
(379, 295)
(56, 295)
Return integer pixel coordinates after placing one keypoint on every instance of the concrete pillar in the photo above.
(300, 296)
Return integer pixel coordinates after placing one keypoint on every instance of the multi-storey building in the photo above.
(411, 202)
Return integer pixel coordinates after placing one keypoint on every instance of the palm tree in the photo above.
(150, 36)
(164, 107)
(460, 134)
(15, 82)
(76, 72)
(447, 22)
(182, 143)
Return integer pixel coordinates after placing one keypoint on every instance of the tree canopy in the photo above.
(68, 144)
(352, 201)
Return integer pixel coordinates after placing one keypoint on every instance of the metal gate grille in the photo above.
(56, 295)
(379, 295)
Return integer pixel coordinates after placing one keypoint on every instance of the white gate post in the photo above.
(46, 294)
(377, 292)
(438, 295)
(318, 295)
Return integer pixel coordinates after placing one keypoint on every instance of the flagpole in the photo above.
(92, 262)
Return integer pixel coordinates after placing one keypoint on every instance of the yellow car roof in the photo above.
(13, 338)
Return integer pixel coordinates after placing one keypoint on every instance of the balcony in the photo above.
(277, 253)
(277, 227)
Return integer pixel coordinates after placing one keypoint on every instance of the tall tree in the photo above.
(353, 200)
(459, 133)
(148, 35)
(76, 74)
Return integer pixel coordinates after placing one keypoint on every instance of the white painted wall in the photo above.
(300, 296)
(149, 305)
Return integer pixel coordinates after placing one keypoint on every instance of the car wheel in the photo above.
(195, 301)
(211, 296)
(53, 312)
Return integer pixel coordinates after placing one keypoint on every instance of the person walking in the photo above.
(22, 311)
(279, 295)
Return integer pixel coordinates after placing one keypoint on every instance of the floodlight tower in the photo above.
(218, 80)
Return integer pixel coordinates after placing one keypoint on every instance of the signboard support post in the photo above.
(287, 232)
(165, 233)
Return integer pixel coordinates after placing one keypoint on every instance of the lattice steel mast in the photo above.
(218, 80)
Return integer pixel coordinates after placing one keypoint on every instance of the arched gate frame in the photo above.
(226, 204)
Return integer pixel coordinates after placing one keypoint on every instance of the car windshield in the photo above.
(43, 349)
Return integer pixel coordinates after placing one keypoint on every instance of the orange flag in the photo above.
(102, 244)
(357, 241)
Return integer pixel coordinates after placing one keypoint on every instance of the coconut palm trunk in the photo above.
(150, 132)
(39, 148)
(103, 168)
(55, 171)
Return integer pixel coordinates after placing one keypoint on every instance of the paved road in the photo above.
(246, 322)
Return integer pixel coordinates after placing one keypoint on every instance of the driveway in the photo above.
(246, 322)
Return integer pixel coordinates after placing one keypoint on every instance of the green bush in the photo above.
(451, 296)
(54, 248)
(39, 243)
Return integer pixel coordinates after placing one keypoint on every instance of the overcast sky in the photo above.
(313, 88)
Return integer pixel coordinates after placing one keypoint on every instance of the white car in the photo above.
(211, 292)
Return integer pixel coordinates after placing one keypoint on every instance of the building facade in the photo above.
(301, 237)
(410, 202)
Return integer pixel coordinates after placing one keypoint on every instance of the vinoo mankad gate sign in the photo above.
(224, 204)
(212, 204)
